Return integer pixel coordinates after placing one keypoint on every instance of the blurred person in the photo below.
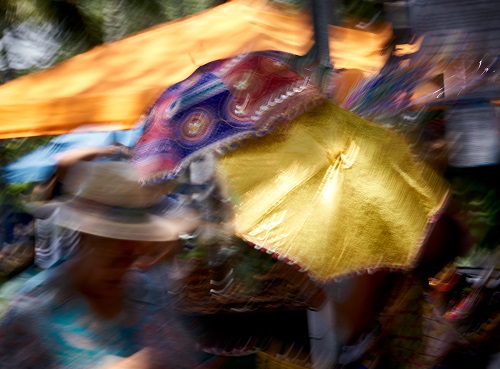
(53, 243)
(79, 314)
(42, 243)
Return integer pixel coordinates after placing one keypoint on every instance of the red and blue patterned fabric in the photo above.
(220, 104)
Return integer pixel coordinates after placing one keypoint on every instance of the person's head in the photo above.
(115, 216)
(101, 263)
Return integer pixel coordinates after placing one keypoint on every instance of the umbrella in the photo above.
(117, 82)
(221, 104)
(333, 194)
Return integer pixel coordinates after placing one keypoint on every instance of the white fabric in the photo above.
(53, 243)
(495, 362)
(322, 337)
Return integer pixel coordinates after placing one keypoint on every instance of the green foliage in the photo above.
(14, 195)
(359, 9)
(293, 4)
(13, 149)
(10, 150)
(477, 194)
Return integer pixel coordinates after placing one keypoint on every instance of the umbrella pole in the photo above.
(321, 19)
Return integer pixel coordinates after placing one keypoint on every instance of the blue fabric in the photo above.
(9, 289)
(130, 137)
(40, 164)
(51, 326)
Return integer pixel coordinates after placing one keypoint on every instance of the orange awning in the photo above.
(115, 84)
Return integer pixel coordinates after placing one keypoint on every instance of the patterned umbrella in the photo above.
(221, 104)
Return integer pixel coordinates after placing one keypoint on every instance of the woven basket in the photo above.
(276, 291)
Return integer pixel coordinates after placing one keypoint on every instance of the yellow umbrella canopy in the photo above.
(333, 194)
